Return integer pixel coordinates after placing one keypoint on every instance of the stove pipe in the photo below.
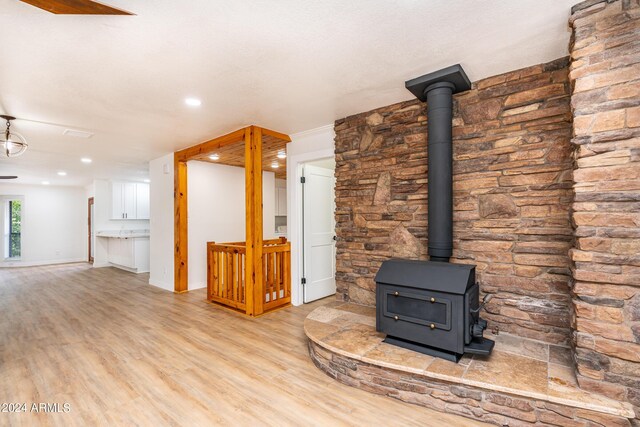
(437, 90)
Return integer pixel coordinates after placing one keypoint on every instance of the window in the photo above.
(13, 229)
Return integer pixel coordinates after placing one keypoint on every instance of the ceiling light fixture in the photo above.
(147, 181)
(12, 144)
(282, 155)
(275, 165)
(193, 102)
(62, 173)
(45, 182)
(86, 160)
(214, 157)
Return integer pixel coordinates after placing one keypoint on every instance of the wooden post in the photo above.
(258, 290)
(253, 212)
(181, 256)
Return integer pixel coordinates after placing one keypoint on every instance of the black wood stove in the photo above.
(433, 306)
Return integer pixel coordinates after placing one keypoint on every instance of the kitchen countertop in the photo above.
(123, 234)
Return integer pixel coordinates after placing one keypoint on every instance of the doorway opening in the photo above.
(318, 242)
(90, 230)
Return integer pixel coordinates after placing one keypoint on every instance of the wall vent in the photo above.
(77, 133)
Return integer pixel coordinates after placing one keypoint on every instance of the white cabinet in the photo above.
(130, 253)
(142, 201)
(117, 200)
(281, 202)
(129, 200)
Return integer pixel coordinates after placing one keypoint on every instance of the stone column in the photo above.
(605, 76)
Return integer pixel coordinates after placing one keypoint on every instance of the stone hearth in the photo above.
(523, 381)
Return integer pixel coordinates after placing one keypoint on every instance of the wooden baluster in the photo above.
(242, 277)
(229, 275)
(287, 272)
(278, 273)
(270, 276)
(236, 272)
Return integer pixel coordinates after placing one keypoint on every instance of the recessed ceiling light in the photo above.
(214, 157)
(275, 165)
(86, 160)
(62, 173)
(147, 180)
(282, 155)
(193, 102)
(45, 182)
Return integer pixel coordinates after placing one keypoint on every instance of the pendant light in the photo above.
(11, 143)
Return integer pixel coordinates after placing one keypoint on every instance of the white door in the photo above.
(318, 233)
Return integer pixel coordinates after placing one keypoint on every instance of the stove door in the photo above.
(421, 316)
(420, 307)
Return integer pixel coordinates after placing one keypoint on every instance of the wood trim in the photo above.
(90, 203)
(181, 227)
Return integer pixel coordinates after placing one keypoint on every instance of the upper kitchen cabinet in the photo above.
(129, 200)
(281, 197)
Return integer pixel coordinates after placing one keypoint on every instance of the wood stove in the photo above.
(433, 306)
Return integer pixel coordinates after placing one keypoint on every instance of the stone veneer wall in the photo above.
(605, 75)
(512, 196)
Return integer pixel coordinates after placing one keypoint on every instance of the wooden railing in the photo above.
(226, 282)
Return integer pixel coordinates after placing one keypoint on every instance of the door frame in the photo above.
(294, 219)
(90, 202)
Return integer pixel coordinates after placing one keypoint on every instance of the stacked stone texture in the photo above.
(491, 407)
(605, 75)
(512, 196)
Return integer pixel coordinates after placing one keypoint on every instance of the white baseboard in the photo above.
(160, 284)
(18, 263)
(193, 286)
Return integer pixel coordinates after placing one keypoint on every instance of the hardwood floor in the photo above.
(121, 352)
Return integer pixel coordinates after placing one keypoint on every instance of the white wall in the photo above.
(161, 222)
(216, 213)
(54, 224)
(103, 222)
(304, 147)
(216, 209)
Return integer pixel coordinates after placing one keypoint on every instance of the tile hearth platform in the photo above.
(523, 381)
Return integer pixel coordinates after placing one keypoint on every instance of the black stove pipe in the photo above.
(437, 89)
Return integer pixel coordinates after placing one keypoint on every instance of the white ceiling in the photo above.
(289, 65)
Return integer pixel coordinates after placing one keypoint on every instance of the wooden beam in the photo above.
(76, 7)
(211, 145)
(181, 224)
(275, 134)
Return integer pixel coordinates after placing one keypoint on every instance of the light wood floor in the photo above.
(121, 352)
